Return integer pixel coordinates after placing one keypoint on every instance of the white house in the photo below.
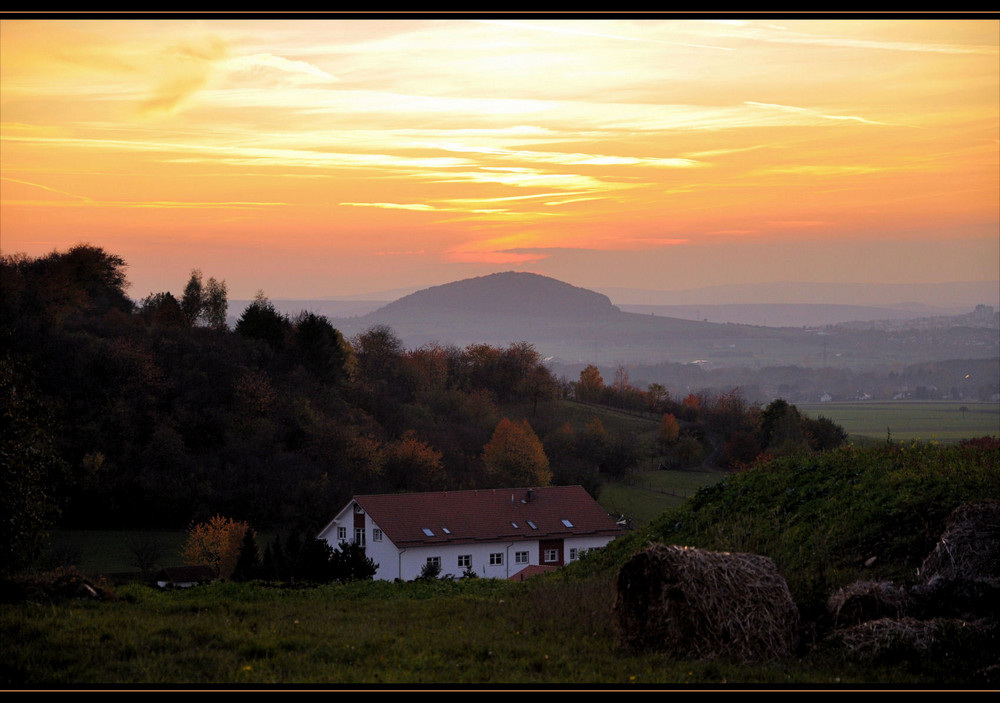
(494, 533)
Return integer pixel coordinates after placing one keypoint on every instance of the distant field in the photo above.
(908, 420)
(650, 493)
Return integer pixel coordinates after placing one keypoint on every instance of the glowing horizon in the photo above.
(309, 158)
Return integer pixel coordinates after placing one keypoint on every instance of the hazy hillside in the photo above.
(559, 319)
(574, 324)
(789, 314)
(510, 293)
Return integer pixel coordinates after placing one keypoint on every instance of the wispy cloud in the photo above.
(813, 113)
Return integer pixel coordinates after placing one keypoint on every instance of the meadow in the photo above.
(928, 421)
(821, 518)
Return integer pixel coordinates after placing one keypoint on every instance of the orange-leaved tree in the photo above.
(216, 543)
(514, 456)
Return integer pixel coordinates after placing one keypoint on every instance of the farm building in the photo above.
(492, 533)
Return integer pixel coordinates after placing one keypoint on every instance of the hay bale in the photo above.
(695, 604)
(905, 638)
(868, 600)
(969, 547)
(961, 575)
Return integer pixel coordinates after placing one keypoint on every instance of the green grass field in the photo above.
(649, 493)
(928, 421)
(819, 521)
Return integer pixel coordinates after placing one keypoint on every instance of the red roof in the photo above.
(487, 515)
(532, 570)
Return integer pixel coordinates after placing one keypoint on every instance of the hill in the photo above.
(575, 325)
(559, 319)
(510, 293)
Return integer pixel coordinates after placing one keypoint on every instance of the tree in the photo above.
(351, 564)
(193, 300)
(249, 562)
(514, 456)
(262, 321)
(163, 309)
(823, 433)
(413, 465)
(430, 571)
(215, 305)
(322, 349)
(591, 385)
(670, 430)
(146, 551)
(379, 353)
(780, 428)
(29, 469)
(216, 543)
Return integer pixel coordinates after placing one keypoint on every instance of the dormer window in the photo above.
(446, 530)
(428, 531)
(567, 523)
(532, 525)
(513, 524)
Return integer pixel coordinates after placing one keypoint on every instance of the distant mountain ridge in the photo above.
(509, 293)
(569, 323)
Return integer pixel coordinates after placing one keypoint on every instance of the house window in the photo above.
(464, 561)
(573, 554)
(342, 534)
(433, 561)
(532, 525)
(359, 536)
(551, 555)
(567, 523)
(496, 559)
(376, 535)
(520, 557)
(428, 531)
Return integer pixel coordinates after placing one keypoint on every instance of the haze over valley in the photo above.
(843, 352)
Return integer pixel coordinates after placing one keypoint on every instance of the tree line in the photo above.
(155, 414)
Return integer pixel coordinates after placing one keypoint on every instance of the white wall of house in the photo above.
(487, 560)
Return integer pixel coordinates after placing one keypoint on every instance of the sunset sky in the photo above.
(311, 158)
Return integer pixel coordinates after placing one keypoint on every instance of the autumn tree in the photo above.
(514, 456)
(216, 543)
(413, 465)
(670, 430)
(591, 384)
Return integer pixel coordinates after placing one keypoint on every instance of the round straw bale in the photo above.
(906, 637)
(969, 547)
(696, 604)
(868, 600)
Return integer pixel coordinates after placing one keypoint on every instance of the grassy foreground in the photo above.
(475, 634)
(820, 518)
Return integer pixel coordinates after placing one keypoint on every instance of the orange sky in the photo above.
(333, 157)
